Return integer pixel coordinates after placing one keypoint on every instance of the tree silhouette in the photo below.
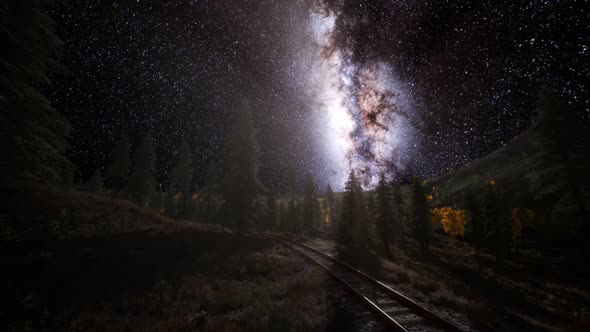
(420, 216)
(398, 211)
(240, 182)
(180, 182)
(476, 228)
(385, 223)
(33, 134)
(311, 208)
(562, 137)
(272, 217)
(498, 220)
(95, 183)
(142, 182)
(118, 172)
(353, 228)
(332, 206)
(210, 191)
(292, 211)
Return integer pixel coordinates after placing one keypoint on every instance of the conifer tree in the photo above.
(181, 174)
(476, 228)
(180, 181)
(292, 211)
(562, 134)
(260, 213)
(293, 216)
(95, 183)
(32, 133)
(420, 216)
(240, 182)
(499, 223)
(370, 220)
(352, 227)
(385, 222)
(142, 181)
(273, 213)
(283, 218)
(332, 205)
(210, 190)
(398, 209)
(311, 208)
(118, 171)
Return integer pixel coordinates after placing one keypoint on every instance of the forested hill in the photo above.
(545, 167)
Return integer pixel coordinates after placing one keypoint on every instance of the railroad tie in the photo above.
(405, 322)
(391, 312)
(397, 311)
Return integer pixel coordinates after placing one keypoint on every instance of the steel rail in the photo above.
(416, 308)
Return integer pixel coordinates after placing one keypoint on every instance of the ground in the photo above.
(82, 262)
(157, 281)
(533, 292)
(90, 263)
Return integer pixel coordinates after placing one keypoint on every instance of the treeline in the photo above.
(134, 177)
(542, 176)
(495, 215)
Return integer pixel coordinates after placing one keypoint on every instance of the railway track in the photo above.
(397, 311)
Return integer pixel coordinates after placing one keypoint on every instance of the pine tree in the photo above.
(261, 213)
(181, 174)
(240, 182)
(158, 200)
(420, 216)
(370, 220)
(311, 208)
(385, 224)
(499, 223)
(283, 218)
(118, 172)
(95, 183)
(398, 209)
(348, 210)
(332, 205)
(273, 212)
(476, 228)
(563, 137)
(210, 191)
(142, 182)
(352, 227)
(293, 218)
(32, 133)
(180, 181)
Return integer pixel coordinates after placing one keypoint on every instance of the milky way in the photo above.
(399, 87)
(361, 107)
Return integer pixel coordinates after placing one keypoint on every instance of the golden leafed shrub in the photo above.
(453, 221)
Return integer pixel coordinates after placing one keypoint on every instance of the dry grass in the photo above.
(527, 295)
(264, 292)
(109, 265)
(34, 210)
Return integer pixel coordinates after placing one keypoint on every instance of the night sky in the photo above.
(378, 86)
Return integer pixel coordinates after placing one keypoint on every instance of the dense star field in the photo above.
(380, 86)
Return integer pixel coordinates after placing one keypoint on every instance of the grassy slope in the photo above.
(532, 293)
(512, 167)
(76, 261)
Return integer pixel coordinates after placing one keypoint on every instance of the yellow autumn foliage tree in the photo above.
(452, 220)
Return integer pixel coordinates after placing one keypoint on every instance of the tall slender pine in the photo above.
(240, 181)
(118, 172)
(420, 216)
(142, 182)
